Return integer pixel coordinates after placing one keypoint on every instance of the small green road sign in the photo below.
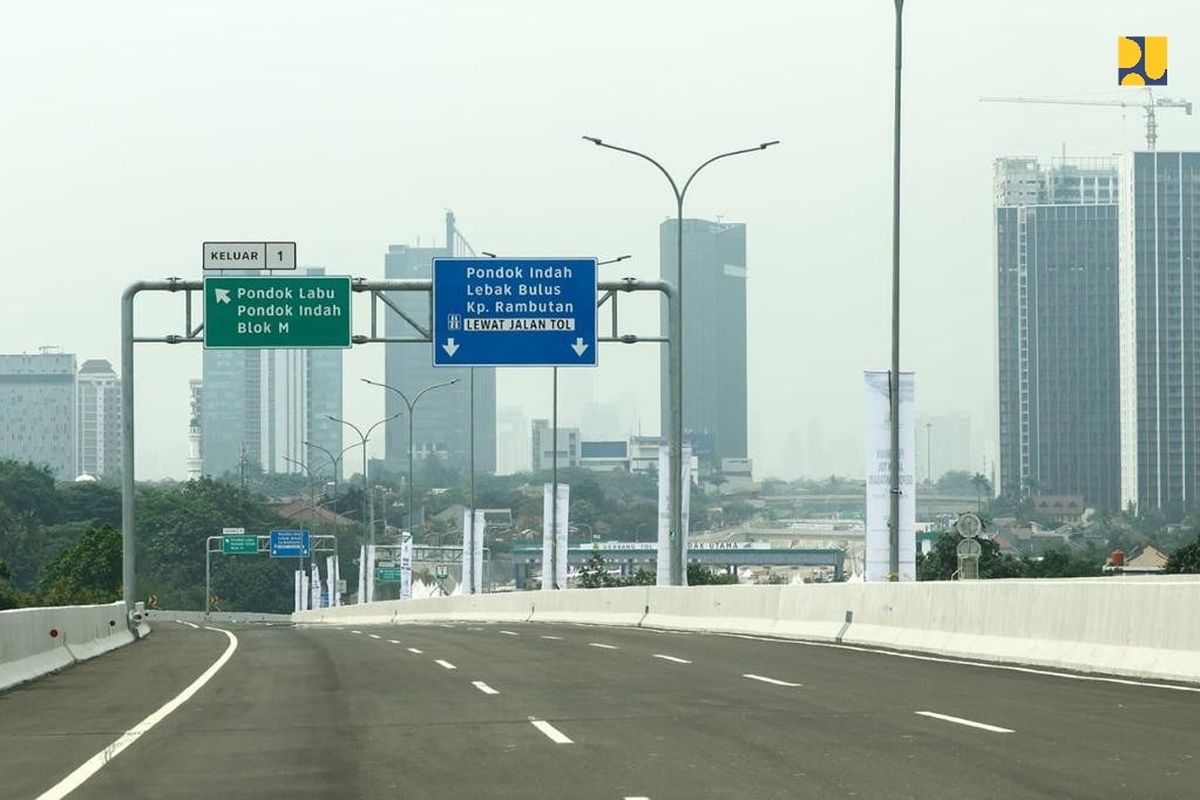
(387, 574)
(239, 545)
(311, 311)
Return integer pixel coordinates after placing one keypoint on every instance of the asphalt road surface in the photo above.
(568, 711)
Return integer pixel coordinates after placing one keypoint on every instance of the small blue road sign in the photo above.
(514, 312)
(289, 544)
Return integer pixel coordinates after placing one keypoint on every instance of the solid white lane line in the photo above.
(639, 797)
(415, 650)
(393, 641)
(94, 764)
(552, 733)
(358, 632)
(603, 646)
(510, 633)
(375, 636)
(966, 663)
(770, 680)
(983, 726)
(444, 664)
(672, 658)
(555, 638)
(483, 687)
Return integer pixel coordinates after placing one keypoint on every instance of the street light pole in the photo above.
(364, 437)
(334, 460)
(675, 352)
(411, 405)
(894, 377)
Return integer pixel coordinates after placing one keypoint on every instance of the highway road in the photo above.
(568, 711)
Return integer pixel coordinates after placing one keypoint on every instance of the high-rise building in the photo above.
(441, 423)
(1160, 329)
(1056, 290)
(714, 333)
(38, 410)
(99, 419)
(512, 442)
(543, 446)
(195, 461)
(259, 406)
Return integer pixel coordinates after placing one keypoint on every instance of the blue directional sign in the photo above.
(289, 544)
(514, 312)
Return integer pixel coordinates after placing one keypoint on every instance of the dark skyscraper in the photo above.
(440, 426)
(1057, 302)
(1160, 329)
(714, 335)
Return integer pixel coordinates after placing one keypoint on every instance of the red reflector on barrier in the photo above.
(54, 633)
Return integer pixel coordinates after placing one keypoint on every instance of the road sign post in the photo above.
(514, 312)
(266, 312)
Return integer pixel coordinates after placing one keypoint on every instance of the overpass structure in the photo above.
(628, 557)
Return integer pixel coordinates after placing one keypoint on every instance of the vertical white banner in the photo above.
(686, 484)
(303, 590)
(662, 572)
(335, 588)
(406, 559)
(331, 582)
(878, 463)
(362, 573)
(372, 556)
(465, 583)
(316, 587)
(477, 551)
(663, 566)
(564, 526)
(554, 572)
(296, 591)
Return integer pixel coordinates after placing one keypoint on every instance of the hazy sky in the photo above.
(132, 132)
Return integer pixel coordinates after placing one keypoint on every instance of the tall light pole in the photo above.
(894, 376)
(334, 460)
(364, 437)
(411, 405)
(675, 354)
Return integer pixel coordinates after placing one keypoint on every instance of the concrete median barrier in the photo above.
(38, 641)
(1136, 627)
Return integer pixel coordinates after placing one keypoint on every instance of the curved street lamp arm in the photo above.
(661, 168)
(434, 386)
(403, 396)
(696, 171)
(351, 424)
(300, 464)
(377, 424)
(328, 454)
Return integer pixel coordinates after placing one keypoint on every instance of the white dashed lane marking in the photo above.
(444, 664)
(603, 646)
(483, 687)
(375, 636)
(555, 638)
(983, 726)
(552, 733)
(672, 658)
(415, 650)
(510, 633)
(773, 681)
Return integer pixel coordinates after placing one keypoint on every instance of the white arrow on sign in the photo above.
(222, 295)
(579, 346)
(450, 347)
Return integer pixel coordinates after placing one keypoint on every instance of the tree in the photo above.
(700, 575)
(1185, 559)
(87, 572)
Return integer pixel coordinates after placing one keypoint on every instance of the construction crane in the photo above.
(1148, 105)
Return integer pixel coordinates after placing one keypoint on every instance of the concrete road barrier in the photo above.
(1144, 627)
(38, 641)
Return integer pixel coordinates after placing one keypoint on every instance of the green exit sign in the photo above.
(239, 545)
(307, 312)
(387, 574)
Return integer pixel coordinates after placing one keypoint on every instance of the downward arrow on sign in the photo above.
(450, 347)
(579, 346)
(222, 295)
